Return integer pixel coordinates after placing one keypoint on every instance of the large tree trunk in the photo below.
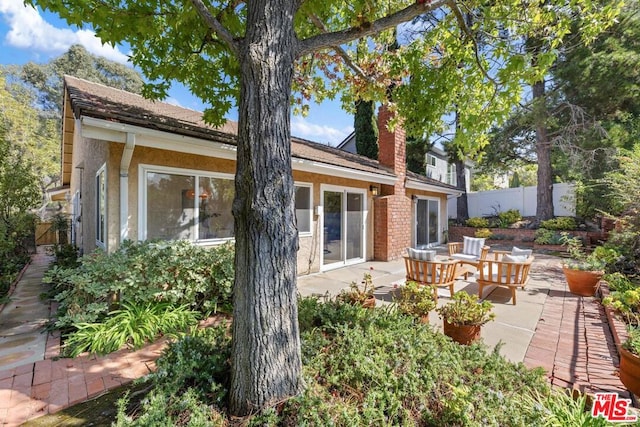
(544, 208)
(266, 361)
(461, 184)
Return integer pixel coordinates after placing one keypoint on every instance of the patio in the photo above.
(565, 334)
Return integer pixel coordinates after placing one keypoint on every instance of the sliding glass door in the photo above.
(344, 212)
(427, 222)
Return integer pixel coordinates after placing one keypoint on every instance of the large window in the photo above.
(179, 204)
(101, 207)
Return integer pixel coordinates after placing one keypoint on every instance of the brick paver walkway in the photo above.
(48, 386)
(574, 344)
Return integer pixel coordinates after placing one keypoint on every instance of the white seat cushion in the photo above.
(514, 258)
(465, 257)
(472, 246)
(519, 252)
(421, 254)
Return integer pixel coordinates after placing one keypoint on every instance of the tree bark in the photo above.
(544, 208)
(461, 184)
(266, 364)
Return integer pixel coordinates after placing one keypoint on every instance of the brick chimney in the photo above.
(392, 150)
(392, 210)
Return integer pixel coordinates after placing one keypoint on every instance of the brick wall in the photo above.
(521, 236)
(392, 227)
(392, 210)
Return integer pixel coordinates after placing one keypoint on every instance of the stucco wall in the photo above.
(88, 156)
(308, 254)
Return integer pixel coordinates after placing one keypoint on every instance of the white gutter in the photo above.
(416, 185)
(117, 132)
(127, 154)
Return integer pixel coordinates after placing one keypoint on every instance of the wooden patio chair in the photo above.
(436, 273)
(456, 251)
(501, 271)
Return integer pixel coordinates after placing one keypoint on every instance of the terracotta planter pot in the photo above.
(465, 334)
(424, 319)
(630, 371)
(584, 283)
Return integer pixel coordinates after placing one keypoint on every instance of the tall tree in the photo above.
(253, 53)
(78, 62)
(366, 129)
(36, 139)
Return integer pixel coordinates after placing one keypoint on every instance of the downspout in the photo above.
(127, 154)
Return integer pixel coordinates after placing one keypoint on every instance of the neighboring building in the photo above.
(437, 164)
(138, 170)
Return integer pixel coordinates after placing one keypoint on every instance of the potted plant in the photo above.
(583, 272)
(630, 361)
(360, 295)
(417, 300)
(626, 304)
(464, 316)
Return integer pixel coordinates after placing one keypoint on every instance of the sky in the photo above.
(27, 34)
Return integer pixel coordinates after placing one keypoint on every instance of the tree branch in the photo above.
(465, 28)
(337, 38)
(344, 54)
(216, 26)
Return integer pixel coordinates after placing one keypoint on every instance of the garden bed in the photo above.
(12, 287)
(521, 236)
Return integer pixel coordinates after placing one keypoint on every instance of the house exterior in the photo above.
(437, 163)
(139, 170)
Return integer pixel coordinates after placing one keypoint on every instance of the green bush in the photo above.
(483, 233)
(191, 375)
(509, 217)
(15, 233)
(560, 223)
(619, 282)
(477, 222)
(133, 325)
(547, 237)
(175, 272)
(361, 367)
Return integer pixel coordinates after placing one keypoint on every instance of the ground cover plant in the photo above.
(361, 367)
(139, 291)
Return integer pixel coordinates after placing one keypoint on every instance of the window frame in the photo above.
(310, 187)
(432, 164)
(143, 169)
(101, 229)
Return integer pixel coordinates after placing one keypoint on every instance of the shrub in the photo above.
(627, 304)
(509, 217)
(477, 222)
(361, 367)
(176, 272)
(547, 237)
(66, 256)
(483, 233)
(133, 325)
(618, 282)
(503, 237)
(191, 374)
(560, 223)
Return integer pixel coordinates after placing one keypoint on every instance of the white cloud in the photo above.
(173, 101)
(28, 30)
(322, 133)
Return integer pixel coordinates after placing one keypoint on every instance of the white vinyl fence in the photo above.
(524, 199)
